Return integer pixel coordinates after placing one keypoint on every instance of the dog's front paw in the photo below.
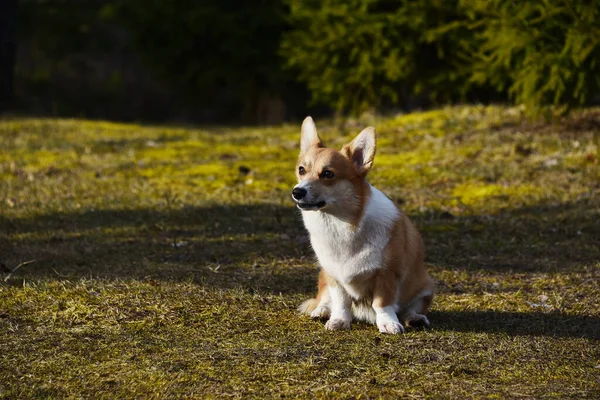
(418, 321)
(320, 312)
(391, 327)
(337, 324)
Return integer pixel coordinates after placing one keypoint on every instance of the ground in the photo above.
(164, 261)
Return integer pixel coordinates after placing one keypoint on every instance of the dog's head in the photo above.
(331, 179)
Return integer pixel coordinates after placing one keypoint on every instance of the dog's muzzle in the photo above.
(299, 196)
(308, 206)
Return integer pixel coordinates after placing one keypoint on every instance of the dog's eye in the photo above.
(301, 170)
(327, 174)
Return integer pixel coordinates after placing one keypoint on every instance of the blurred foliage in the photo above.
(247, 59)
(61, 28)
(544, 52)
(213, 50)
(360, 54)
(76, 60)
(357, 55)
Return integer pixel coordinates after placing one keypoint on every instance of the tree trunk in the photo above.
(8, 45)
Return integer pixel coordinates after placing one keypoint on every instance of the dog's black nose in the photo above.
(298, 193)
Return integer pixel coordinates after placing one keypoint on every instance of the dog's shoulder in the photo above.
(380, 209)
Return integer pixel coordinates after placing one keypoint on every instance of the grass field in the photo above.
(162, 261)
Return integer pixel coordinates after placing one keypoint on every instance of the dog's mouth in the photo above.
(311, 206)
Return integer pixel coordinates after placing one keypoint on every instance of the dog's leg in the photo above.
(341, 311)
(322, 310)
(385, 293)
(414, 314)
(319, 306)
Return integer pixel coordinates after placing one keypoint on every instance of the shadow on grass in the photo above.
(260, 247)
(545, 237)
(263, 246)
(518, 324)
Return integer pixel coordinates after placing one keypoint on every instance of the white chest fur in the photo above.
(348, 252)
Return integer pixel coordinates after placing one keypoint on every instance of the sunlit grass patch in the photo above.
(476, 194)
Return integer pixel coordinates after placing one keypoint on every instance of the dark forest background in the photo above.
(274, 60)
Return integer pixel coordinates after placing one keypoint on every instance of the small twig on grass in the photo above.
(61, 275)
(16, 268)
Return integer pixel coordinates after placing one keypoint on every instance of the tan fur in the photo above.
(404, 254)
(309, 305)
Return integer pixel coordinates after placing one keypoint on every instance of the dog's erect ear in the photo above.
(361, 151)
(309, 137)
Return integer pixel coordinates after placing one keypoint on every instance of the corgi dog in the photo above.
(371, 255)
